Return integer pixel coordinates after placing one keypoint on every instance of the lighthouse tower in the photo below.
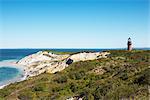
(129, 44)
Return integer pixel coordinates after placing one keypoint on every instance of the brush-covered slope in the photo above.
(122, 75)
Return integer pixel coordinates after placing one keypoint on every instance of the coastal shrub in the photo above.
(43, 95)
(123, 76)
(56, 89)
(61, 79)
(124, 90)
(127, 75)
(102, 90)
(89, 97)
(79, 75)
(143, 78)
(65, 91)
(54, 96)
(4, 93)
(73, 87)
(39, 87)
(86, 94)
(27, 95)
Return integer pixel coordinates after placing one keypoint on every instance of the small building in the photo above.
(129, 44)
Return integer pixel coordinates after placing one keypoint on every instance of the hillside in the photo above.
(122, 75)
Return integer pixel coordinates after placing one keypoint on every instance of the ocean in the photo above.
(9, 72)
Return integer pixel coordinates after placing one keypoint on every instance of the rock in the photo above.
(69, 61)
(75, 98)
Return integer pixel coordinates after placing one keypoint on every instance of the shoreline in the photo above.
(22, 75)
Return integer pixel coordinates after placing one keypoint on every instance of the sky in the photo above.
(74, 23)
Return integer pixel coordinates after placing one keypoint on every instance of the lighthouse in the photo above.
(129, 44)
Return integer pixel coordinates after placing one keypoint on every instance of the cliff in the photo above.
(44, 61)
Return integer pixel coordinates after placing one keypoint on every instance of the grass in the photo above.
(126, 76)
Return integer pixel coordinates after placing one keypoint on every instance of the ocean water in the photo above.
(8, 72)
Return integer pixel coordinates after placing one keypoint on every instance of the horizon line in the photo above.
(80, 48)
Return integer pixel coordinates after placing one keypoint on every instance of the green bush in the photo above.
(61, 79)
(127, 75)
(73, 87)
(27, 95)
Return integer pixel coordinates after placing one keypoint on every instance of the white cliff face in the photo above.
(41, 62)
(88, 56)
(41, 56)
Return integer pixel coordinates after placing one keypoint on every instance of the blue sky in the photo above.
(74, 23)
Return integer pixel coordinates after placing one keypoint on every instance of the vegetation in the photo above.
(71, 53)
(126, 76)
(57, 52)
